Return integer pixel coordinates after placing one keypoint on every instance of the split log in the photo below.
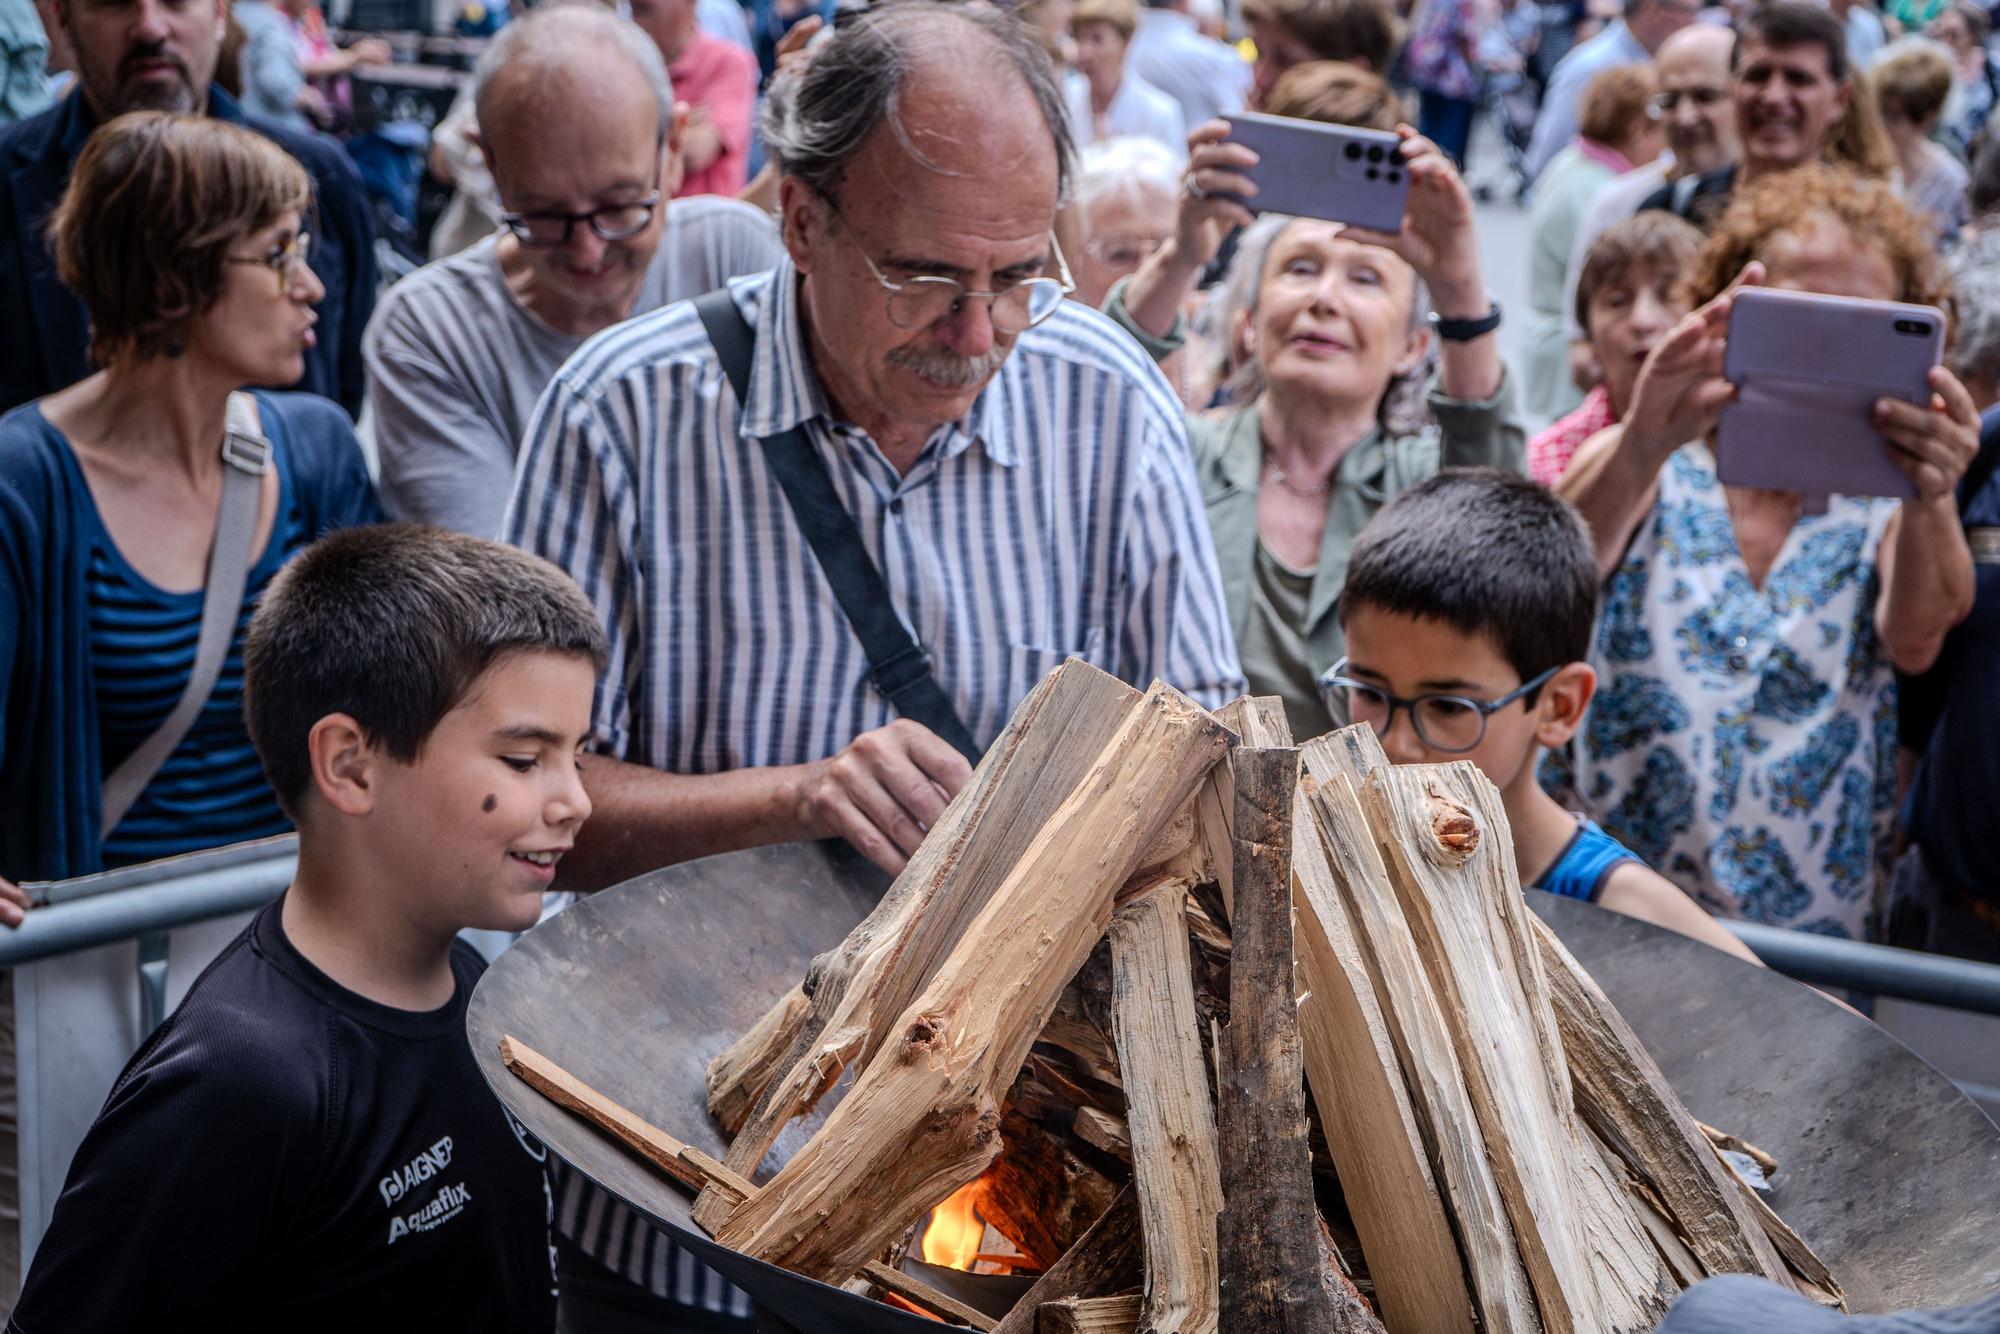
(1038, 1194)
(1168, 1111)
(1393, 1120)
(1105, 1261)
(1450, 858)
(1350, 1311)
(738, 1077)
(1258, 721)
(858, 990)
(1107, 1133)
(1809, 1272)
(695, 1169)
(1624, 1098)
(1092, 1315)
(1269, 1230)
(923, 1119)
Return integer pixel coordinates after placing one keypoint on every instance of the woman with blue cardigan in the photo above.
(186, 239)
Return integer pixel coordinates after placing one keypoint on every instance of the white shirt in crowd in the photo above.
(456, 364)
(1137, 109)
(1207, 77)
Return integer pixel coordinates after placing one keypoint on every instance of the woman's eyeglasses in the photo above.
(1452, 724)
(288, 260)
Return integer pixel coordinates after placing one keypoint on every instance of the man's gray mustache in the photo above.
(941, 365)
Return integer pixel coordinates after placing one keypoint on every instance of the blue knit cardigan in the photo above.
(50, 771)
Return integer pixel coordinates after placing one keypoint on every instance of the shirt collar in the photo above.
(81, 122)
(785, 393)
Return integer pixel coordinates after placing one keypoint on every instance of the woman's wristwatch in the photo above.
(1464, 331)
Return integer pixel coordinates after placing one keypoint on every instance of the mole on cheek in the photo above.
(490, 802)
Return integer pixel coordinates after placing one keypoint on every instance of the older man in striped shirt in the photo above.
(1014, 466)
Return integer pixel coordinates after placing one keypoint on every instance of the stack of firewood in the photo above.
(1222, 1034)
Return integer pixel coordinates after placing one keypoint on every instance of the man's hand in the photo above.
(1932, 443)
(883, 792)
(13, 902)
(792, 55)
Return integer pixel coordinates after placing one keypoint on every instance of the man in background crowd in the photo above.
(576, 121)
(717, 79)
(1631, 40)
(159, 55)
(1171, 52)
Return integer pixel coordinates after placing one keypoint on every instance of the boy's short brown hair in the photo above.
(1655, 240)
(392, 625)
(153, 205)
(1353, 30)
(1121, 15)
(1336, 93)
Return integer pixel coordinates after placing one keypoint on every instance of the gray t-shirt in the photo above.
(456, 364)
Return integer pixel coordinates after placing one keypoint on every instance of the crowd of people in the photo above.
(791, 389)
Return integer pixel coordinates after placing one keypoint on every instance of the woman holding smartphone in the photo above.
(1744, 736)
(1338, 318)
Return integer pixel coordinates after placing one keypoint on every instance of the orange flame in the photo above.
(955, 1230)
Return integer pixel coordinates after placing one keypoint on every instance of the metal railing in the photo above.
(1879, 970)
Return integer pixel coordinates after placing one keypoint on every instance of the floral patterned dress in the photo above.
(1743, 740)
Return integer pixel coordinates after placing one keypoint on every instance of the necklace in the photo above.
(1277, 474)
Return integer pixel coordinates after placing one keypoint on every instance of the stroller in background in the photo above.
(1510, 97)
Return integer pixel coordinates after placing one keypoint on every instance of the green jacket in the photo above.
(1229, 458)
(1228, 462)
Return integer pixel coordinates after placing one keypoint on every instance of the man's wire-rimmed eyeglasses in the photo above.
(922, 301)
(1453, 724)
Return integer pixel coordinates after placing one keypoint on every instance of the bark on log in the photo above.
(738, 1077)
(1258, 721)
(1372, 1132)
(1168, 1110)
(1450, 857)
(923, 1119)
(1624, 1098)
(1400, 1240)
(1107, 1260)
(1038, 1194)
(858, 990)
(1269, 1231)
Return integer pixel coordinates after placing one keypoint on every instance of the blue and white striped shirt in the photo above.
(1061, 517)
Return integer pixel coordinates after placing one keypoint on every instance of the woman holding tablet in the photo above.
(1338, 319)
(1743, 741)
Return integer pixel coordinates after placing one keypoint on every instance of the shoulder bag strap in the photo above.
(246, 454)
(899, 668)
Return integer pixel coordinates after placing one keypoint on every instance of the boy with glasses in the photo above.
(1468, 608)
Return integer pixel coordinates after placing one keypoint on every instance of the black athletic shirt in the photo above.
(286, 1155)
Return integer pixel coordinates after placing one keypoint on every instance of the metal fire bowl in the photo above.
(1889, 1171)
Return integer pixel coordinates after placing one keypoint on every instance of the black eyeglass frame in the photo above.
(1333, 679)
(517, 223)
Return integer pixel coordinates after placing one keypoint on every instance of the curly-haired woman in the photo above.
(1744, 738)
(186, 239)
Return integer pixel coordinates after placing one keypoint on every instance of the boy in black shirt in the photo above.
(307, 1143)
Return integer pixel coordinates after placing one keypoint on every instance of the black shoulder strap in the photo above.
(900, 669)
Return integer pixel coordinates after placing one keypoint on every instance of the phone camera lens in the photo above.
(1354, 152)
(1918, 328)
(1375, 152)
(1374, 172)
(1394, 176)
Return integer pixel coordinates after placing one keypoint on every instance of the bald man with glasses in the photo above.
(576, 121)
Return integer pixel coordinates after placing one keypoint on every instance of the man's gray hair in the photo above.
(813, 124)
(548, 37)
(1975, 276)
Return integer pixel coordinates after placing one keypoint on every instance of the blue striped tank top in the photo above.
(1585, 864)
(211, 790)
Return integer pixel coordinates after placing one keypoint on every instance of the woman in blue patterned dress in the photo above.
(1744, 738)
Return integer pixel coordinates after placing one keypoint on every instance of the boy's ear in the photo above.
(343, 764)
(1560, 706)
